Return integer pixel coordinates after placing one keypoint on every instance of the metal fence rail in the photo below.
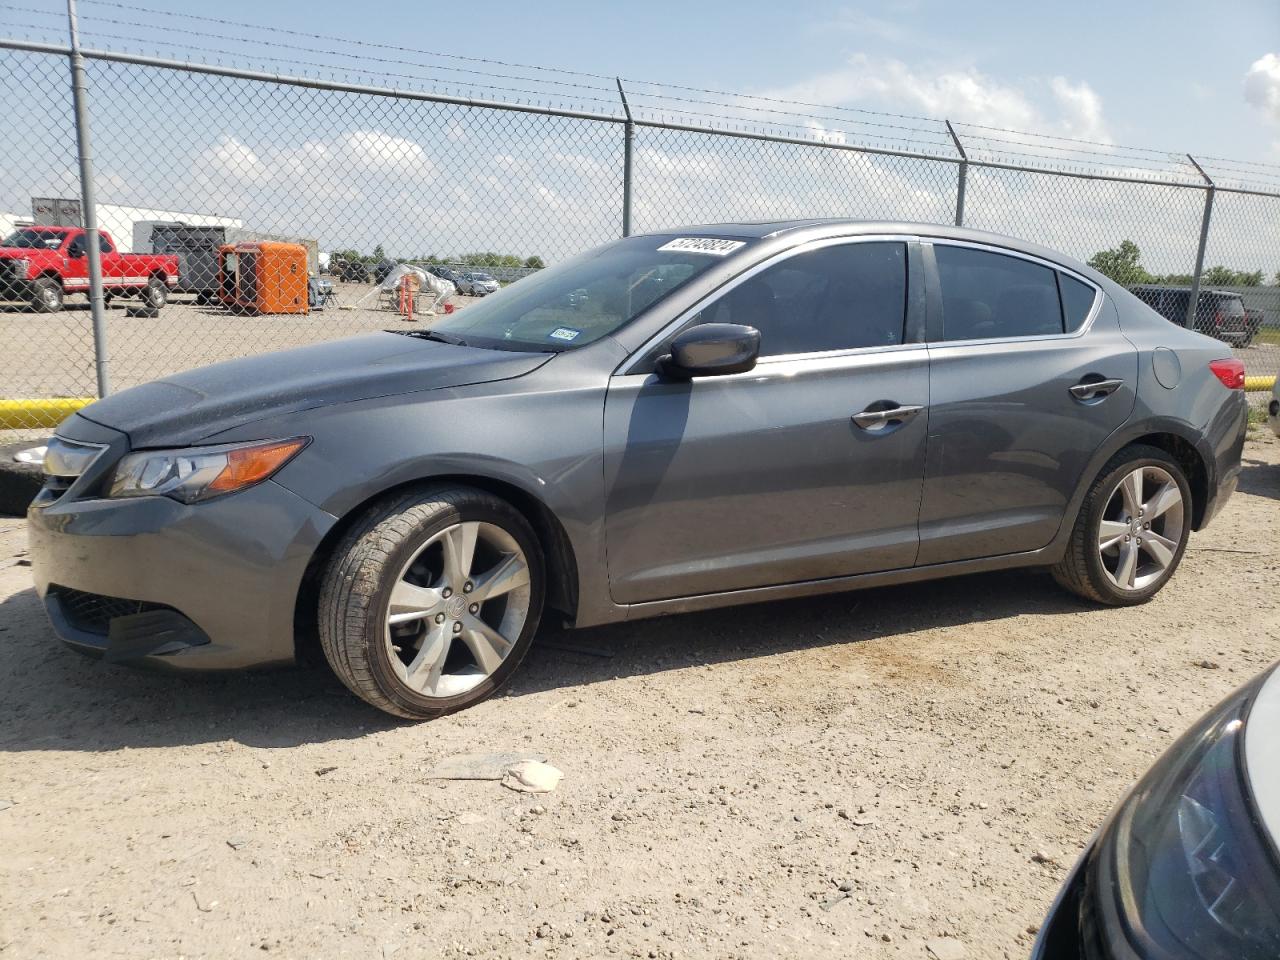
(187, 157)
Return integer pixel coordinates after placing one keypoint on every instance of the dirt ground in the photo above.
(726, 774)
(51, 355)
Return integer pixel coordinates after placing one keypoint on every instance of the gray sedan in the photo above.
(708, 416)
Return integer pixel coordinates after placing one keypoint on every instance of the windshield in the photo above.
(35, 239)
(586, 298)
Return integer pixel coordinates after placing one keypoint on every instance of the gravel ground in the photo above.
(855, 775)
(51, 355)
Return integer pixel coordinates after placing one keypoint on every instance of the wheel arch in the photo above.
(1177, 438)
(557, 550)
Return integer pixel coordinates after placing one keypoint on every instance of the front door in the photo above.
(797, 470)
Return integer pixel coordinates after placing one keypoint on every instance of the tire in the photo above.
(1094, 564)
(19, 481)
(46, 295)
(413, 535)
(155, 294)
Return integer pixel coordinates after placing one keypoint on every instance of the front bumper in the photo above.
(149, 580)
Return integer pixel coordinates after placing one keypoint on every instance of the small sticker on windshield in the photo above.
(564, 333)
(712, 246)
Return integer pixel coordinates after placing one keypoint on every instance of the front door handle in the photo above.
(1095, 389)
(878, 419)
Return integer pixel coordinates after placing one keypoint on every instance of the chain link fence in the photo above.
(279, 207)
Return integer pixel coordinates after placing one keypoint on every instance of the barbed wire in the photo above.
(658, 100)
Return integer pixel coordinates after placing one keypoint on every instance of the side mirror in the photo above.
(711, 350)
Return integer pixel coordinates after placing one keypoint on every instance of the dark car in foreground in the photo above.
(1220, 314)
(1186, 866)
(704, 417)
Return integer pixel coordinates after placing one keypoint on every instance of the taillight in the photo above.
(1217, 318)
(1230, 372)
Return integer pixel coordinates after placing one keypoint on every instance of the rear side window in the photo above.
(1077, 301)
(840, 297)
(989, 295)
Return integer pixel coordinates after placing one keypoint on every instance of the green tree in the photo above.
(535, 263)
(378, 254)
(1123, 264)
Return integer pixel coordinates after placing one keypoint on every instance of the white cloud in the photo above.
(1262, 85)
(963, 94)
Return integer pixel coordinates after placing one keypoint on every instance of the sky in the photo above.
(1170, 75)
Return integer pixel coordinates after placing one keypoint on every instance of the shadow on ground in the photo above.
(1259, 478)
(54, 699)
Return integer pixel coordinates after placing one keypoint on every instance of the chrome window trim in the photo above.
(625, 368)
(1094, 310)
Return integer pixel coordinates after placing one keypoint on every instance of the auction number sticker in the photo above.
(712, 246)
(564, 333)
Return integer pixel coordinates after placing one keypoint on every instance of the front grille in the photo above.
(93, 612)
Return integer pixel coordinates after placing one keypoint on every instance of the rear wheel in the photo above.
(431, 601)
(1132, 529)
(155, 294)
(46, 295)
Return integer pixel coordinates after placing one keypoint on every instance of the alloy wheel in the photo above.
(1142, 528)
(457, 609)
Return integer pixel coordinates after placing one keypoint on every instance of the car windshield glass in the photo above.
(586, 298)
(35, 239)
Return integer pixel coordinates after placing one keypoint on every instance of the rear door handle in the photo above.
(877, 419)
(1095, 389)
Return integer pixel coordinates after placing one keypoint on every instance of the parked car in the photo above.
(734, 414)
(445, 273)
(1219, 313)
(1186, 864)
(41, 265)
(477, 284)
(1253, 321)
(351, 271)
(382, 269)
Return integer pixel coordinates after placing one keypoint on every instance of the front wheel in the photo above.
(431, 600)
(1131, 531)
(46, 295)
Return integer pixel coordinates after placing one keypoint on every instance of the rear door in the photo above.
(797, 470)
(1029, 374)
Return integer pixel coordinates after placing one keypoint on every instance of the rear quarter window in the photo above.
(1077, 301)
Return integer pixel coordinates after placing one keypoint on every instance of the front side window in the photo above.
(840, 297)
(586, 298)
(989, 295)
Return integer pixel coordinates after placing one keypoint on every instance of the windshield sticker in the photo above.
(712, 246)
(564, 333)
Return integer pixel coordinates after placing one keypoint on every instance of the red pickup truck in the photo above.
(41, 265)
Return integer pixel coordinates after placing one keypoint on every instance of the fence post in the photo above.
(89, 210)
(628, 139)
(964, 173)
(1194, 300)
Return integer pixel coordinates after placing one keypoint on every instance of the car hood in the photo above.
(1261, 758)
(187, 407)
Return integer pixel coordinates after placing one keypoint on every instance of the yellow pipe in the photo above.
(44, 412)
(1259, 383)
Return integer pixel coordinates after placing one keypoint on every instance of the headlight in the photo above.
(21, 268)
(201, 473)
(1186, 867)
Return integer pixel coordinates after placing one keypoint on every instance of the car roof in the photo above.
(815, 228)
